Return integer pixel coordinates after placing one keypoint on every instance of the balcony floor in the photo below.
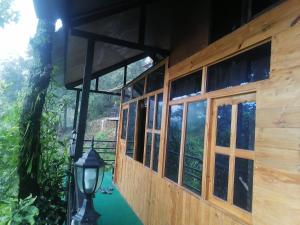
(113, 208)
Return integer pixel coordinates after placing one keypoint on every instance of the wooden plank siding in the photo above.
(276, 185)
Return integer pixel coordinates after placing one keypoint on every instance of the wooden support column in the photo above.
(125, 75)
(76, 109)
(84, 99)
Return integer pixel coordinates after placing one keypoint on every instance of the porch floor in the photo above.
(113, 208)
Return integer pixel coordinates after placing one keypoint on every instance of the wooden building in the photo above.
(210, 135)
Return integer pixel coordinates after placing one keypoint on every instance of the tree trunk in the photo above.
(30, 121)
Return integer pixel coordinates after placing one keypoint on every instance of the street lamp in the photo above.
(89, 172)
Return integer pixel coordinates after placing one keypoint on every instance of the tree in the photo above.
(30, 120)
(7, 14)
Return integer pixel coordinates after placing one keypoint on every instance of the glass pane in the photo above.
(156, 151)
(159, 105)
(186, 86)
(124, 124)
(151, 111)
(245, 136)
(194, 146)
(131, 129)
(138, 88)
(243, 182)
(155, 79)
(140, 126)
(137, 68)
(174, 140)
(79, 177)
(221, 176)
(259, 5)
(148, 149)
(226, 17)
(90, 178)
(223, 125)
(247, 67)
(126, 94)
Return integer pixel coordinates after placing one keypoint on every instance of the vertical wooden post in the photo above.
(76, 109)
(84, 99)
(125, 75)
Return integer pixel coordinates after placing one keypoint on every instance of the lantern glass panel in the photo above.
(100, 177)
(79, 177)
(90, 178)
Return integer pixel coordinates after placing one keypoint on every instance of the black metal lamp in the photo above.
(89, 172)
(73, 144)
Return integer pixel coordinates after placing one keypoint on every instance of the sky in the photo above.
(15, 36)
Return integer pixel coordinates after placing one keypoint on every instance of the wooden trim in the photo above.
(146, 130)
(204, 80)
(182, 144)
(152, 131)
(144, 96)
(222, 93)
(232, 152)
(206, 152)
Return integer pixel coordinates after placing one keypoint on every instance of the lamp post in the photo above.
(89, 172)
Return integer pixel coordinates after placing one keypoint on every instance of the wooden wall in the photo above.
(276, 194)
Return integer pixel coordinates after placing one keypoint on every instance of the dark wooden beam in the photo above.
(125, 76)
(84, 99)
(119, 42)
(76, 109)
(100, 92)
(109, 69)
(142, 25)
(100, 13)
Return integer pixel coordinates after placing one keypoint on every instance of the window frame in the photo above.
(245, 89)
(185, 102)
(145, 96)
(152, 130)
(230, 151)
(125, 107)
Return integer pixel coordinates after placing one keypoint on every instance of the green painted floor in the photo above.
(113, 208)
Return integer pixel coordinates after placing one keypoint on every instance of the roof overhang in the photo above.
(123, 31)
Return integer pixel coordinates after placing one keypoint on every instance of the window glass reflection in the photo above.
(173, 142)
(246, 125)
(243, 183)
(223, 125)
(221, 176)
(131, 129)
(194, 146)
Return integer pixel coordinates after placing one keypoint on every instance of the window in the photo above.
(124, 123)
(233, 150)
(236, 12)
(194, 146)
(141, 126)
(155, 104)
(138, 88)
(126, 94)
(186, 86)
(151, 112)
(155, 80)
(250, 66)
(173, 142)
(148, 149)
(156, 151)
(258, 6)
(131, 129)
(159, 106)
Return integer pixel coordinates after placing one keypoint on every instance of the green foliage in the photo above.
(18, 212)
(7, 14)
(52, 175)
